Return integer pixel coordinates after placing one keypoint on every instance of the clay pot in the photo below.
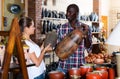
(93, 17)
(101, 68)
(70, 43)
(85, 69)
(93, 75)
(74, 73)
(111, 73)
(51, 38)
(56, 75)
(102, 73)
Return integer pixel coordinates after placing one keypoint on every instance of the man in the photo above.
(77, 58)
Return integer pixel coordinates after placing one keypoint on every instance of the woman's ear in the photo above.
(26, 28)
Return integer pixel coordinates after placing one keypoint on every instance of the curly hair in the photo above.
(74, 6)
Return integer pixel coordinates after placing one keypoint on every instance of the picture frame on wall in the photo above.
(118, 15)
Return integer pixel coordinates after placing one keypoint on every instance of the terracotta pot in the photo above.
(85, 69)
(102, 73)
(93, 75)
(111, 73)
(70, 43)
(101, 68)
(74, 73)
(56, 75)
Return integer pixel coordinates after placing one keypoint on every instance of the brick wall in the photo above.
(34, 11)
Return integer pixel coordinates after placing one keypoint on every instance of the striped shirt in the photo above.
(77, 58)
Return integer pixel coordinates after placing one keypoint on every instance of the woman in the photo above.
(36, 53)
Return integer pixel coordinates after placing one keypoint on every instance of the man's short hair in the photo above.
(73, 6)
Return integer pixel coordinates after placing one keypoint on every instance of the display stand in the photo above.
(14, 38)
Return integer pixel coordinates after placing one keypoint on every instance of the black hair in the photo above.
(74, 6)
(25, 22)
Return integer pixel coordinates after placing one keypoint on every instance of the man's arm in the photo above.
(87, 38)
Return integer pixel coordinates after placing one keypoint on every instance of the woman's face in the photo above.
(31, 29)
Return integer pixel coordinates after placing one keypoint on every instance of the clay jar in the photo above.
(93, 75)
(56, 75)
(102, 73)
(74, 72)
(111, 74)
(70, 42)
(101, 68)
(85, 69)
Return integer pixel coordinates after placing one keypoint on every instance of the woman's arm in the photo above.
(38, 60)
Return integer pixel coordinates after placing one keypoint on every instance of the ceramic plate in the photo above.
(15, 9)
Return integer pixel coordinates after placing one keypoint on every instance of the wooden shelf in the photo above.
(94, 22)
(56, 19)
(96, 43)
(95, 32)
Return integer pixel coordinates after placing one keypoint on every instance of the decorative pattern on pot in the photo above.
(74, 73)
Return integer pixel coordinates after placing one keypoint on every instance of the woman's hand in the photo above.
(42, 46)
(47, 48)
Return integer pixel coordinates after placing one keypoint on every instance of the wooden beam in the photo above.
(13, 38)
(21, 53)
(4, 33)
(9, 51)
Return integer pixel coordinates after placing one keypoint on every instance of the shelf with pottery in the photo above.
(47, 13)
(51, 19)
(95, 28)
(94, 23)
(96, 43)
(96, 32)
(54, 19)
(95, 40)
(97, 37)
(89, 22)
(50, 24)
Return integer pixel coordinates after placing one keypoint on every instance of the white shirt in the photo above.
(35, 71)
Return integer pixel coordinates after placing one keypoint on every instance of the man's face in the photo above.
(71, 14)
